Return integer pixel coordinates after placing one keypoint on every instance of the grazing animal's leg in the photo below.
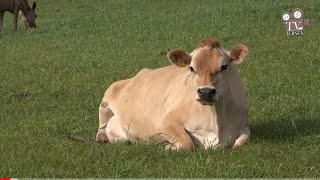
(105, 114)
(243, 138)
(1, 20)
(15, 18)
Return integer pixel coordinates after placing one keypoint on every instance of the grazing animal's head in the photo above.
(29, 16)
(209, 64)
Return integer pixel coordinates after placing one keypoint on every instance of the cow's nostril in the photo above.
(213, 92)
(199, 91)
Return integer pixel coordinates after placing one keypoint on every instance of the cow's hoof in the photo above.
(102, 138)
(238, 144)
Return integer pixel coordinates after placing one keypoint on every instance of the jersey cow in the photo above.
(200, 100)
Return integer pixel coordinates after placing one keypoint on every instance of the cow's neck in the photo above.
(24, 6)
(228, 118)
(223, 127)
(220, 109)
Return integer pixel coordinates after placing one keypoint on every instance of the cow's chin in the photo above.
(203, 102)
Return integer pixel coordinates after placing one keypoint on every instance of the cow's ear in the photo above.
(238, 53)
(34, 5)
(179, 57)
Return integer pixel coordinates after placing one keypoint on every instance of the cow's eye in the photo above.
(191, 69)
(224, 67)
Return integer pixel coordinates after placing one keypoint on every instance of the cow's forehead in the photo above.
(207, 59)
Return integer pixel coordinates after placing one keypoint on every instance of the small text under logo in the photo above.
(294, 22)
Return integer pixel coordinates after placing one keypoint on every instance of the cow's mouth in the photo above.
(204, 102)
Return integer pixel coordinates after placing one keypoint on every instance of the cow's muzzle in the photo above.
(32, 26)
(207, 95)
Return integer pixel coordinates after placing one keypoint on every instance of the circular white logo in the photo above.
(297, 14)
(286, 17)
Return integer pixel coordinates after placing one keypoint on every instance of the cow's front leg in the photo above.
(105, 114)
(243, 138)
(1, 20)
(177, 137)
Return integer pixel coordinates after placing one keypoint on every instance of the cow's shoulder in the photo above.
(144, 71)
(164, 73)
(153, 72)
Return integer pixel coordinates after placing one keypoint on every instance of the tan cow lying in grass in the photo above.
(200, 100)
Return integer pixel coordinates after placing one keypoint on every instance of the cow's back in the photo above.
(6, 5)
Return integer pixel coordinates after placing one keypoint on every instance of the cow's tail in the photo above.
(105, 113)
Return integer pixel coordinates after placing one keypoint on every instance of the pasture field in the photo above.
(52, 79)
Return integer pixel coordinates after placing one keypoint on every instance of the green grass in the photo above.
(81, 46)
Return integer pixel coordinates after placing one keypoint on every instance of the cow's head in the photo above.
(209, 64)
(30, 16)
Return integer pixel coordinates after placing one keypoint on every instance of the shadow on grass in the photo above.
(74, 138)
(285, 129)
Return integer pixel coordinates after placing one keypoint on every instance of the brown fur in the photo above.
(212, 43)
(14, 6)
(238, 53)
(207, 65)
(179, 57)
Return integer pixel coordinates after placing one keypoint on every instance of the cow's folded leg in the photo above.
(243, 138)
(177, 137)
(105, 114)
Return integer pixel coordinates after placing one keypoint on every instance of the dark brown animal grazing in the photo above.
(14, 6)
